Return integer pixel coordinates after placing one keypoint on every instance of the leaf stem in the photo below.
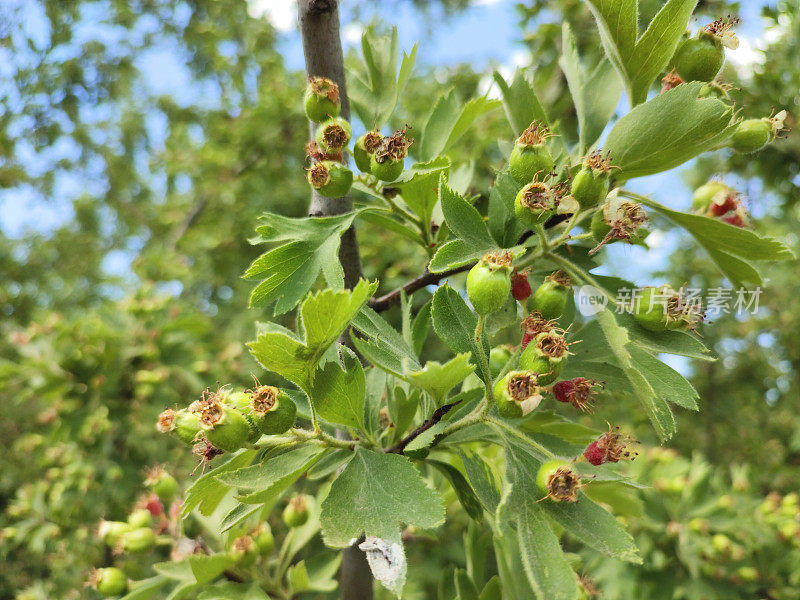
(500, 424)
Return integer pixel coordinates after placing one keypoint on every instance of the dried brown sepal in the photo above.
(536, 134)
(564, 484)
(166, 421)
(498, 259)
(598, 162)
(322, 86)
(263, 398)
(393, 147)
(670, 81)
(315, 155)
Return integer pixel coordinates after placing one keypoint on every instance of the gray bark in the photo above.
(322, 48)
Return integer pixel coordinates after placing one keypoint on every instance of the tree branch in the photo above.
(322, 50)
(437, 416)
(427, 278)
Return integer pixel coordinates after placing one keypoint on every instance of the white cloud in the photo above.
(281, 13)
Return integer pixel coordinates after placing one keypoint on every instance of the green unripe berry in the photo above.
(264, 540)
(618, 220)
(706, 193)
(187, 426)
(753, 134)
(138, 540)
(364, 148)
(590, 187)
(721, 543)
(747, 574)
(535, 203)
(110, 582)
(388, 170)
(386, 162)
(163, 485)
(321, 99)
(558, 481)
(700, 58)
(333, 135)
(550, 298)
(545, 355)
(662, 309)
(224, 426)
(243, 550)
(517, 394)
(489, 282)
(527, 163)
(140, 517)
(331, 179)
(296, 512)
(111, 532)
(272, 410)
(530, 158)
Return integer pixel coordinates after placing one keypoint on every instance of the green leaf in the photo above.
(681, 343)
(455, 324)
(438, 379)
(520, 102)
(666, 382)
(640, 60)
(207, 492)
(146, 588)
(448, 121)
(545, 565)
(466, 495)
(595, 527)
(374, 495)
(315, 575)
(324, 316)
(233, 591)
(481, 476)
(375, 86)
(288, 271)
(273, 476)
(493, 590)
(667, 131)
(657, 409)
(463, 219)
(724, 242)
(384, 347)
(197, 568)
(455, 253)
(402, 408)
(503, 224)
(595, 94)
(338, 393)
(419, 186)
(465, 589)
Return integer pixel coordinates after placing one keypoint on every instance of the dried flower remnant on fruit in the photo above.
(612, 446)
(533, 325)
(552, 344)
(599, 163)
(243, 545)
(624, 220)
(263, 399)
(580, 392)
(371, 140)
(393, 147)
(721, 28)
(563, 484)
(322, 86)
(206, 452)
(538, 196)
(670, 81)
(679, 307)
(523, 390)
(166, 421)
(319, 176)
(316, 155)
(536, 134)
(335, 136)
(498, 260)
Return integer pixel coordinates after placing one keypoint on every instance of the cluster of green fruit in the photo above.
(375, 154)
(228, 420)
(700, 58)
(139, 533)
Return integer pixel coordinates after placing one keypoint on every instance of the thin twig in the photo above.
(427, 278)
(437, 416)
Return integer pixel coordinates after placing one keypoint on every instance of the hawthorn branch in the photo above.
(437, 416)
(427, 278)
(322, 50)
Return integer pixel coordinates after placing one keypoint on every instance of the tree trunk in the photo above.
(322, 49)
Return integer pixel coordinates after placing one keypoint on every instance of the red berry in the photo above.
(520, 286)
(153, 504)
(724, 205)
(594, 454)
(612, 446)
(533, 325)
(578, 392)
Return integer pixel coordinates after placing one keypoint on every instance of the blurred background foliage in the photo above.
(134, 300)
